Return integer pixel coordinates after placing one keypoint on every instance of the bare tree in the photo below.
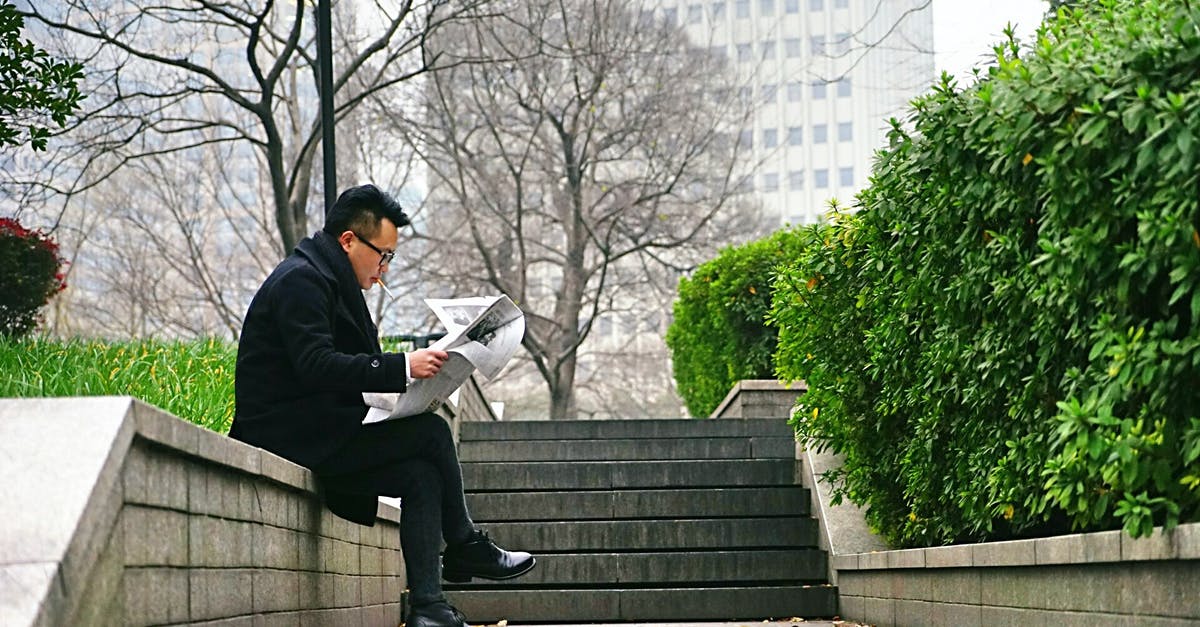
(198, 140)
(587, 160)
(166, 77)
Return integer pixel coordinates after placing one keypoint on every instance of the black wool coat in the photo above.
(308, 351)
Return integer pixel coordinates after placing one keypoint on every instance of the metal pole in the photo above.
(325, 57)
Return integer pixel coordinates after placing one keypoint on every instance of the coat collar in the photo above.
(324, 252)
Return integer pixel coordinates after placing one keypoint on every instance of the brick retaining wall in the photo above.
(116, 512)
(1090, 579)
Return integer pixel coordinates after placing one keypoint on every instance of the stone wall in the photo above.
(1090, 580)
(760, 398)
(115, 512)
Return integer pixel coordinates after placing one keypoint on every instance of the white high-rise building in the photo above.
(827, 75)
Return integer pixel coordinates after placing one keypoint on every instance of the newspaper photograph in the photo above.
(482, 333)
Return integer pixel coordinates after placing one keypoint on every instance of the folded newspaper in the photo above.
(481, 333)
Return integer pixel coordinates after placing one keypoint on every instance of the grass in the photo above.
(193, 380)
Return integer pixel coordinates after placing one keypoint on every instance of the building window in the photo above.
(796, 180)
(769, 93)
(841, 4)
(766, 7)
(744, 95)
(845, 131)
(791, 47)
(820, 133)
(817, 44)
(745, 53)
(816, 5)
(768, 50)
(746, 139)
(770, 138)
(671, 16)
(843, 87)
(718, 10)
(818, 90)
(795, 135)
(718, 52)
(741, 9)
(770, 182)
(745, 185)
(695, 13)
(841, 44)
(791, 6)
(795, 91)
(846, 177)
(821, 178)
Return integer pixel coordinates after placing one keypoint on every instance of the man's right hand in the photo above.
(426, 362)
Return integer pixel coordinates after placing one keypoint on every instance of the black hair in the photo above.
(360, 209)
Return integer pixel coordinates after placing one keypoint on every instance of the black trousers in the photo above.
(412, 458)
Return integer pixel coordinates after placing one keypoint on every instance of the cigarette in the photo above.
(386, 290)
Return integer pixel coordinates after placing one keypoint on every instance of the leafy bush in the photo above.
(34, 88)
(32, 275)
(1005, 341)
(718, 336)
(193, 380)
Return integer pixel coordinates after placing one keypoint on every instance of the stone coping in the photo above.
(156, 425)
(756, 385)
(1181, 543)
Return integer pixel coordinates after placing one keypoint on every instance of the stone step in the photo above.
(691, 568)
(757, 447)
(595, 475)
(632, 429)
(659, 535)
(590, 605)
(789, 500)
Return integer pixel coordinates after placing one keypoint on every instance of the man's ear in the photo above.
(344, 239)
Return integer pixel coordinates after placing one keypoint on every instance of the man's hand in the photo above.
(426, 362)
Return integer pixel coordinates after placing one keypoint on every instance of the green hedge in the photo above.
(717, 336)
(1005, 341)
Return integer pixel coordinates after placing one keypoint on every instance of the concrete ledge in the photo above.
(1181, 543)
(760, 398)
(1083, 579)
(116, 512)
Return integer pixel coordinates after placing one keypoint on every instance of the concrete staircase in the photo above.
(644, 520)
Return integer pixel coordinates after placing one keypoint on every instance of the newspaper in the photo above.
(482, 333)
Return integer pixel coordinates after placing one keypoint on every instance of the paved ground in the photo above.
(735, 623)
(795, 623)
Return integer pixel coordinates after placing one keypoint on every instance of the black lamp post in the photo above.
(325, 59)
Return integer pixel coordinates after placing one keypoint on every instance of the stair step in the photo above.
(606, 604)
(620, 535)
(595, 475)
(789, 500)
(691, 568)
(759, 447)
(608, 429)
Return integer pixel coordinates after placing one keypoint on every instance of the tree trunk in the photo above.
(562, 392)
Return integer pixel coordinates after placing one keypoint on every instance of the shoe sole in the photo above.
(459, 577)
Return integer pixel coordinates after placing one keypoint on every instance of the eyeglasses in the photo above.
(384, 257)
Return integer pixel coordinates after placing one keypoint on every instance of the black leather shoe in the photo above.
(480, 557)
(439, 614)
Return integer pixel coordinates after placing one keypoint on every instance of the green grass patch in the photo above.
(193, 380)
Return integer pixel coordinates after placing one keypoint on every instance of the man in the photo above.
(307, 353)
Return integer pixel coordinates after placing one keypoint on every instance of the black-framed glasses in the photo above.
(384, 257)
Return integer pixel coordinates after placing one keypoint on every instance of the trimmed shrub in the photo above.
(32, 274)
(1005, 341)
(717, 336)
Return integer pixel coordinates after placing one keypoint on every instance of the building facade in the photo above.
(825, 76)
